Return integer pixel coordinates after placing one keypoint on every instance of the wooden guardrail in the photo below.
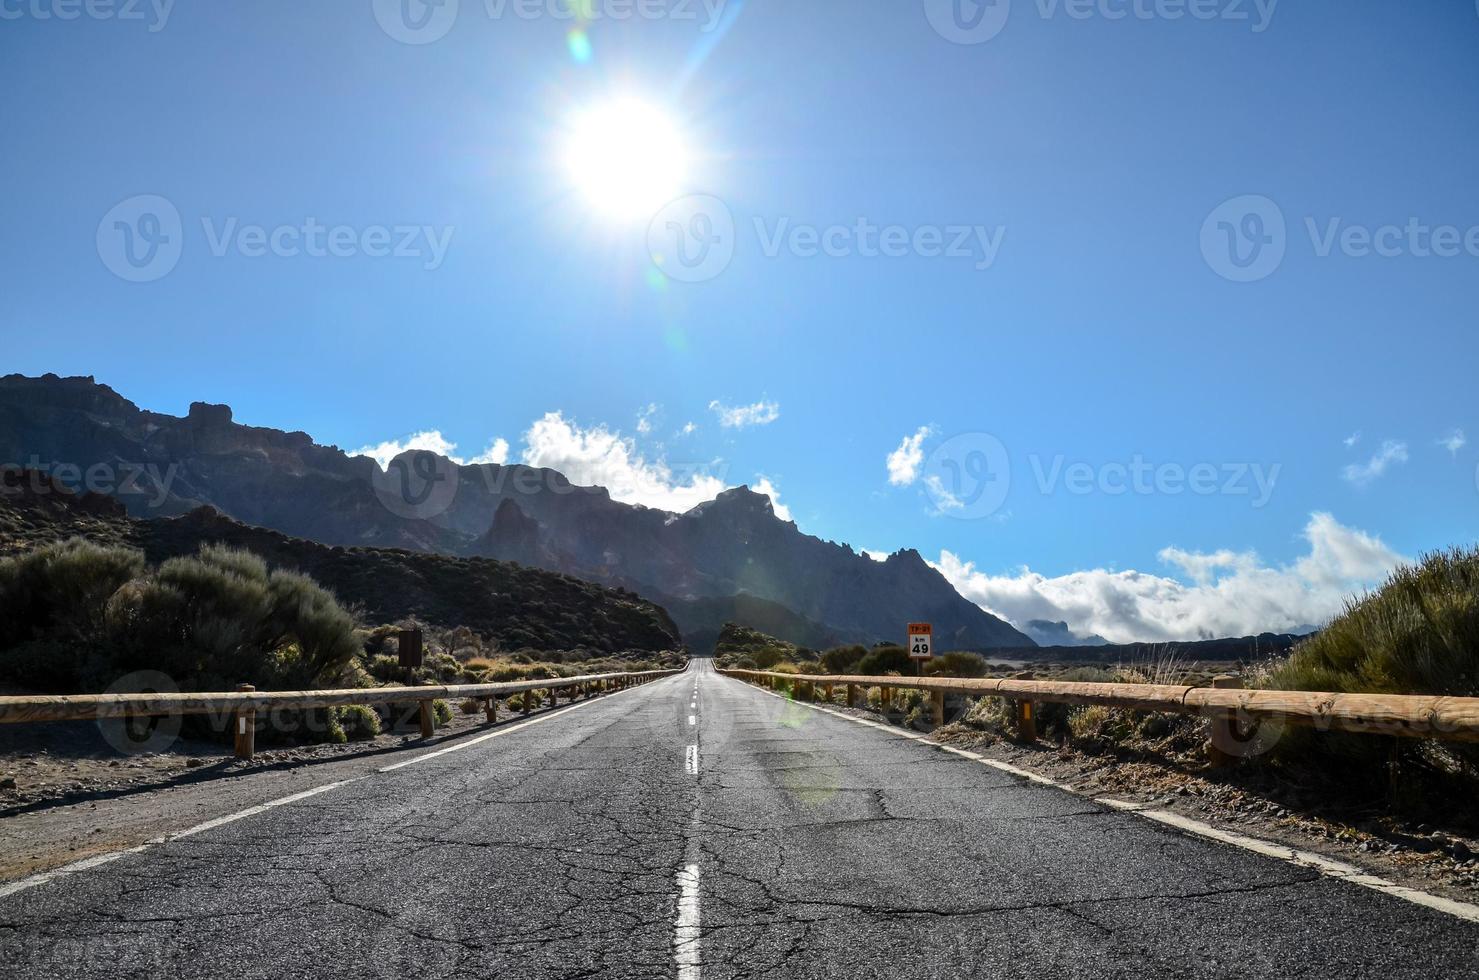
(243, 705)
(1414, 716)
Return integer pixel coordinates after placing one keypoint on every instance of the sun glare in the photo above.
(625, 157)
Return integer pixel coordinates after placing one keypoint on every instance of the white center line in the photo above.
(690, 761)
(692, 720)
(686, 935)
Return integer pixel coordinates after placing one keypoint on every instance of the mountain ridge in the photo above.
(728, 547)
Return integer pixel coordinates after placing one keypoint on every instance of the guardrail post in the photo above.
(1024, 713)
(490, 707)
(885, 699)
(939, 709)
(244, 722)
(827, 693)
(428, 719)
(1222, 746)
(528, 701)
(852, 695)
(554, 697)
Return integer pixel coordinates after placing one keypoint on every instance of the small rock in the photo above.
(1461, 852)
(194, 763)
(7, 782)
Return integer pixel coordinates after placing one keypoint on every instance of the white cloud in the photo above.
(1390, 452)
(644, 419)
(742, 416)
(431, 441)
(600, 457)
(688, 429)
(1231, 593)
(879, 556)
(904, 462)
(945, 501)
(764, 485)
(1454, 441)
(1351, 440)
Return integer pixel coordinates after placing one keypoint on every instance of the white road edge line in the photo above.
(86, 864)
(1289, 855)
(686, 947)
(101, 859)
(495, 734)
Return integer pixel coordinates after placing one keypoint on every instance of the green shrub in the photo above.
(359, 722)
(443, 712)
(1418, 634)
(53, 605)
(766, 658)
(886, 660)
(957, 664)
(843, 660)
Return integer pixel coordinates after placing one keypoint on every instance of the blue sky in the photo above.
(1125, 172)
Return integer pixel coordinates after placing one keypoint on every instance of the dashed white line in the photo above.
(686, 932)
(690, 760)
(692, 720)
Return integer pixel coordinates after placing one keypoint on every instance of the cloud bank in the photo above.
(1230, 593)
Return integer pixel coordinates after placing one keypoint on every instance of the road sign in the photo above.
(921, 641)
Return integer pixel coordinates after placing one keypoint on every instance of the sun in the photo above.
(627, 158)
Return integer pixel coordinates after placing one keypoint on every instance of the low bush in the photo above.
(359, 723)
(1418, 634)
(886, 660)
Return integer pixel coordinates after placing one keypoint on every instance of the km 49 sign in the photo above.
(921, 641)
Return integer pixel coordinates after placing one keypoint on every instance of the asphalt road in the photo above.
(697, 827)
